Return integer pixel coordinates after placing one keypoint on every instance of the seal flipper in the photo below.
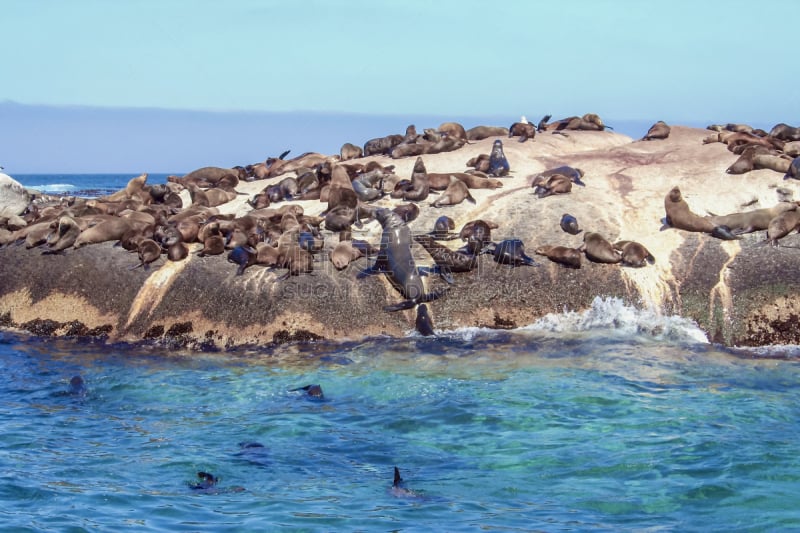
(398, 481)
(408, 304)
(424, 324)
(724, 233)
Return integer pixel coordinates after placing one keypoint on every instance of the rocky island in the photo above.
(740, 290)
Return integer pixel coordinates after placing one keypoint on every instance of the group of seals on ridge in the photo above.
(757, 149)
(286, 238)
(778, 220)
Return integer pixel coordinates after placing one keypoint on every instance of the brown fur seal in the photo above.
(419, 183)
(785, 132)
(569, 257)
(108, 230)
(555, 184)
(148, 251)
(479, 162)
(453, 129)
(177, 251)
(750, 221)
(477, 181)
(455, 193)
(523, 130)
(634, 254)
(680, 216)
(659, 130)
(409, 150)
(343, 254)
(381, 145)
(133, 188)
(782, 225)
(64, 236)
(484, 132)
(598, 249)
(794, 170)
(350, 151)
(408, 212)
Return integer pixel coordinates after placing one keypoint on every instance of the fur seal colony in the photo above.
(272, 251)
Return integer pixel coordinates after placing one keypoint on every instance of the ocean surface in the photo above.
(612, 419)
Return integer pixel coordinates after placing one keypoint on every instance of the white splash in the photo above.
(52, 187)
(614, 315)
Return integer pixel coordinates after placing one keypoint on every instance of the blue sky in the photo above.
(680, 61)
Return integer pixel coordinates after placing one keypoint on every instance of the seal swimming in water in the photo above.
(395, 260)
(569, 224)
(77, 386)
(313, 391)
(398, 490)
(498, 164)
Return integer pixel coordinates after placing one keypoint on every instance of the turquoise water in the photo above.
(606, 427)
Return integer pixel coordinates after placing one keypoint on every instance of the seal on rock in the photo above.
(598, 249)
(634, 254)
(659, 130)
(569, 257)
(498, 164)
(570, 224)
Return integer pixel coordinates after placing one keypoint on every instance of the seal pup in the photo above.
(396, 261)
(313, 391)
(442, 229)
(569, 224)
(510, 252)
(598, 249)
(350, 151)
(634, 254)
(455, 193)
(149, 251)
(659, 130)
(343, 254)
(569, 257)
(782, 225)
(498, 164)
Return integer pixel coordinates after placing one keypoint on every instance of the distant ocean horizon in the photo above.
(85, 140)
